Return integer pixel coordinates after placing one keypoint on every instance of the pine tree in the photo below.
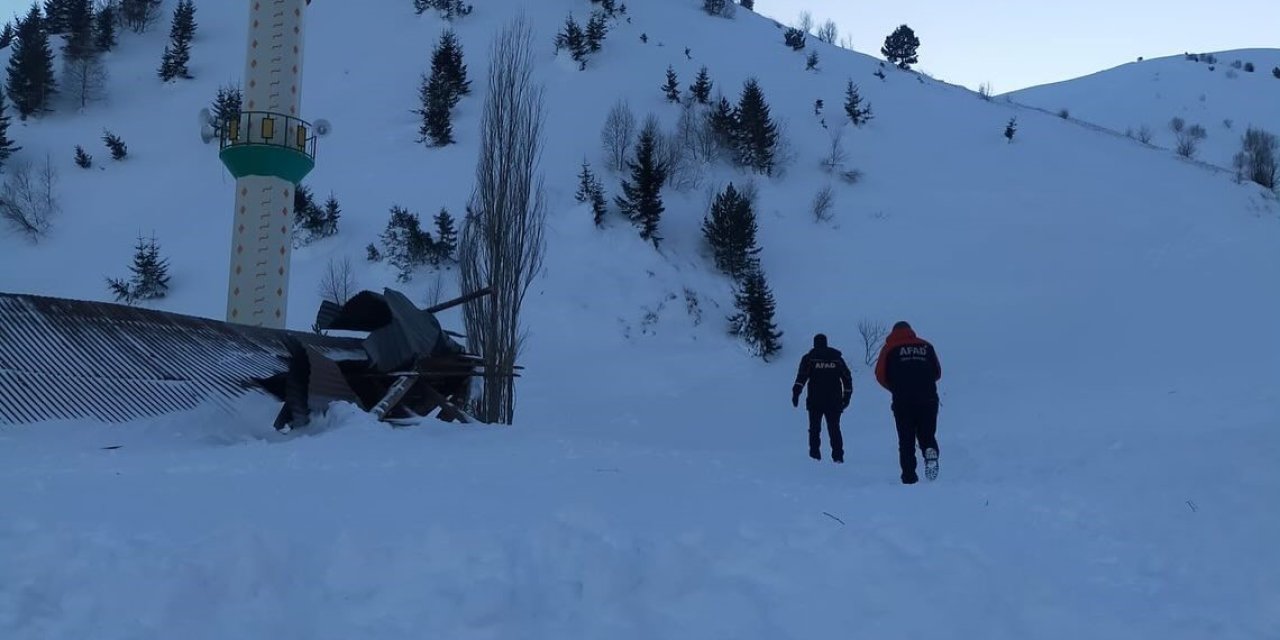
(701, 87)
(586, 182)
(597, 29)
(858, 114)
(405, 245)
(177, 53)
(104, 33)
(55, 17)
(794, 38)
(226, 105)
(758, 134)
(672, 87)
(31, 83)
(119, 150)
(574, 40)
(7, 147)
(446, 61)
(730, 230)
(900, 47)
(754, 321)
(79, 43)
(83, 159)
(723, 122)
(641, 198)
(150, 278)
(1011, 128)
(811, 62)
(332, 213)
(7, 36)
(590, 190)
(446, 242)
(437, 125)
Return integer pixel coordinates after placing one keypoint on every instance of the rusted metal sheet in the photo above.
(74, 359)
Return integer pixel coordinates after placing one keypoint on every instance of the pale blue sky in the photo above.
(1018, 43)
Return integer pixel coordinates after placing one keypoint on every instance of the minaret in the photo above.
(269, 150)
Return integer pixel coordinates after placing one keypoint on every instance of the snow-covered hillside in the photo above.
(1215, 91)
(1109, 398)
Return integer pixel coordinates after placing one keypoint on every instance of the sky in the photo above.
(1013, 44)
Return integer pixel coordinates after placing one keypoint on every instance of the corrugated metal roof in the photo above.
(68, 359)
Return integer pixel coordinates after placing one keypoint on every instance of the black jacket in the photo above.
(829, 379)
(909, 367)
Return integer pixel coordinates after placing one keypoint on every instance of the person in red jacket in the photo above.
(909, 368)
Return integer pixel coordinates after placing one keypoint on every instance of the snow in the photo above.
(1109, 409)
(1224, 100)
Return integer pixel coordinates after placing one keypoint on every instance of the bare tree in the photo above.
(435, 289)
(85, 79)
(29, 202)
(140, 15)
(806, 22)
(984, 91)
(502, 243)
(828, 32)
(1189, 140)
(1257, 160)
(1145, 134)
(618, 134)
(846, 43)
(822, 204)
(873, 334)
(836, 153)
(338, 281)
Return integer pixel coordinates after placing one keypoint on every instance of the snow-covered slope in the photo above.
(1109, 405)
(1214, 91)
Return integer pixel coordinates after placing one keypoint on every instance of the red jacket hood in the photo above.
(900, 337)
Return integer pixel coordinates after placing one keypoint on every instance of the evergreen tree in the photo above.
(405, 245)
(55, 17)
(31, 83)
(226, 105)
(436, 97)
(794, 38)
(104, 33)
(590, 190)
(119, 150)
(7, 36)
(858, 114)
(446, 61)
(597, 29)
(723, 121)
(754, 321)
(177, 54)
(701, 87)
(574, 40)
(758, 135)
(83, 159)
(308, 219)
(150, 278)
(7, 147)
(446, 241)
(1011, 128)
(332, 213)
(811, 62)
(749, 5)
(641, 198)
(730, 230)
(79, 43)
(672, 87)
(900, 47)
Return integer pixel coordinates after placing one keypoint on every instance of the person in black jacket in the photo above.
(909, 369)
(830, 388)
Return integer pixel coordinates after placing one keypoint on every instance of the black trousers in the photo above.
(917, 421)
(833, 432)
